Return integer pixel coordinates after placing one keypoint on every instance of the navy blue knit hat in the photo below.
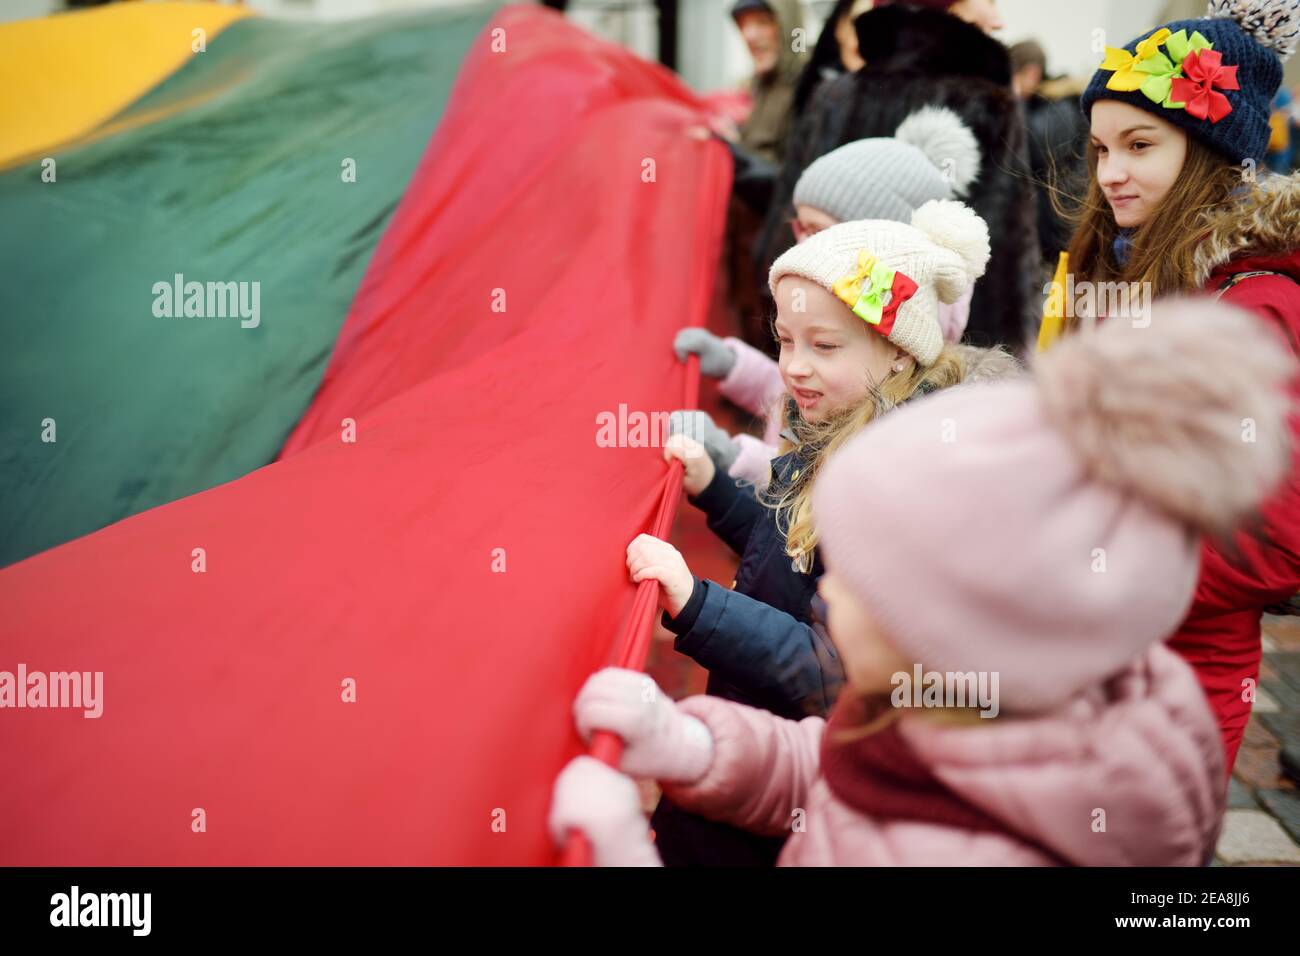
(1213, 77)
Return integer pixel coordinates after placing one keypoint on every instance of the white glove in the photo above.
(659, 741)
(605, 807)
(716, 358)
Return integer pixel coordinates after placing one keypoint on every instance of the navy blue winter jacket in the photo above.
(762, 641)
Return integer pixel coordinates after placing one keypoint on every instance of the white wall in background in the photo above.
(340, 9)
(1066, 30)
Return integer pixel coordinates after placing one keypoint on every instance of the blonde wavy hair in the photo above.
(819, 440)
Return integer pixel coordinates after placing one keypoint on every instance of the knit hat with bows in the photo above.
(1213, 77)
(893, 275)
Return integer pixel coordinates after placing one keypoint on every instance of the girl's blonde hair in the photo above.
(792, 501)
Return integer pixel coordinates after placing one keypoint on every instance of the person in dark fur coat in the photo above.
(917, 57)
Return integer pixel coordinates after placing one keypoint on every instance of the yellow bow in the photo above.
(849, 289)
(1126, 77)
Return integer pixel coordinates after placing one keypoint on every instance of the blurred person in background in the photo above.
(767, 27)
(1057, 136)
(1280, 157)
(758, 145)
(933, 53)
(836, 52)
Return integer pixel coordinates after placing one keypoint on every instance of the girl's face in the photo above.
(870, 661)
(1139, 157)
(809, 220)
(762, 36)
(830, 359)
(847, 38)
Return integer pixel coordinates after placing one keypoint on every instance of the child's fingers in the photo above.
(610, 716)
(651, 571)
(638, 549)
(611, 699)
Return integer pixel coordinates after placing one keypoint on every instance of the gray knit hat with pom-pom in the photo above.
(932, 155)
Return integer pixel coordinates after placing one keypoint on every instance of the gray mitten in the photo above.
(716, 359)
(698, 425)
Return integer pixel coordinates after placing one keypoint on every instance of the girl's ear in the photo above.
(900, 359)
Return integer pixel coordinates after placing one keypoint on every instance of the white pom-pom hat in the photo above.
(893, 275)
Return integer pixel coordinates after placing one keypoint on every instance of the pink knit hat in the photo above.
(1047, 529)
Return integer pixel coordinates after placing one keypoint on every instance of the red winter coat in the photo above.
(1220, 637)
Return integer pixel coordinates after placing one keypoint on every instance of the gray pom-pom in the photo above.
(1274, 24)
(946, 141)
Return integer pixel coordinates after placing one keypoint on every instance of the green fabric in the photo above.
(232, 171)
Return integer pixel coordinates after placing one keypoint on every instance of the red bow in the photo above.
(1202, 71)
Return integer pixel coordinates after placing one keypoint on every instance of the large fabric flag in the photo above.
(271, 159)
(367, 651)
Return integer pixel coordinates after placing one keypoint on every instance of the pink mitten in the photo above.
(605, 806)
(659, 740)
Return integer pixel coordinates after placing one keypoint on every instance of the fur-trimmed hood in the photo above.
(988, 364)
(1259, 230)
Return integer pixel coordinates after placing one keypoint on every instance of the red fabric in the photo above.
(373, 560)
(1221, 637)
(733, 105)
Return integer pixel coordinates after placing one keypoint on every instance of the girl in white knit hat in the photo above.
(857, 317)
(932, 155)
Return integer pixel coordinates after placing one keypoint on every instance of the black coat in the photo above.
(1058, 136)
(918, 57)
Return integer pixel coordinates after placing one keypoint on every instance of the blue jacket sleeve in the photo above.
(731, 509)
(766, 653)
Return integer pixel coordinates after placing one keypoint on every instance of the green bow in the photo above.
(866, 298)
(1161, 70)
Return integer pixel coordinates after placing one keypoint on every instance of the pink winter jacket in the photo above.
(754, 383)
(1129, 774)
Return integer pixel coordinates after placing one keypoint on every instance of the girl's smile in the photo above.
(806, 398)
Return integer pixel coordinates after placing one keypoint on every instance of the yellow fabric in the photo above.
(68, 73)
(1055, 309)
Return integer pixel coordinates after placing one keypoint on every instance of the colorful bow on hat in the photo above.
(874, 291)
(1203, 71)
(1184, 79)
(1127, 77)
(1162, 70)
